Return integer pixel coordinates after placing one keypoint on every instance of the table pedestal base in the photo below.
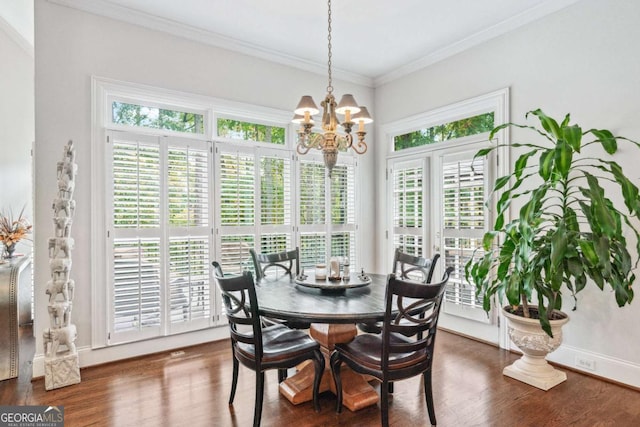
(357, 393)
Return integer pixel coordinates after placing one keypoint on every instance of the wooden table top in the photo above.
(284, 299)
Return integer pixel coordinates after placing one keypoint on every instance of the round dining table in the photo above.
(333, 309)
(330, 302)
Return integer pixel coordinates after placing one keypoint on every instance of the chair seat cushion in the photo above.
(293, 324)
(280, 343)
(366, 349)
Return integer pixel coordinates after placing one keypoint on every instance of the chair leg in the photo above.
(390, 388)
(384, 403)
(257, 413)
(318, 362)
(282, 375)
(428, 395)
(335, 363)
(234, 382)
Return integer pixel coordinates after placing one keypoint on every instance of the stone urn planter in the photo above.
(526, 333)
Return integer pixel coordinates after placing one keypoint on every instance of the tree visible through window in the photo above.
(248, 131)
(451, 130)
(156, 118)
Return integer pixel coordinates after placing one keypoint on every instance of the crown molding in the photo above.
(124, 14)
(523, 18)
(120, 13)
(18, 38)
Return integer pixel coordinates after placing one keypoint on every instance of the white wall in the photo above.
(16, 126)
(583, 60)
(71, 46)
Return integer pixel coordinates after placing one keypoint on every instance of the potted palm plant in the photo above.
(568, 232)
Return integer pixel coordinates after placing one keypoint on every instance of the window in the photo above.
(156, 118)
(247, 131)
(448, 131)
(160, 230)
(168, 202)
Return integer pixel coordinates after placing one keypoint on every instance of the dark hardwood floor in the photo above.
(192, 389)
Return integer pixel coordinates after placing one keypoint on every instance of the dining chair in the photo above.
(272, 265)
(413, 267)
(406, 266)
(395, 355)
(262, 348)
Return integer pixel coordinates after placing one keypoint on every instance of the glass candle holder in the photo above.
(321, 271)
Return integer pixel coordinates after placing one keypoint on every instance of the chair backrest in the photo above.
(241, 306)
(285, 261)
(417, 307)
(413, 267)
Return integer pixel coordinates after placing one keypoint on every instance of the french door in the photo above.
(437, 206)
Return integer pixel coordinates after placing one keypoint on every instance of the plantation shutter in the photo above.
(464, 184)
(237, 208)
(136, 287)
(189, 231)
(312, 206)
(408, 189)
(343, 205)
(255, 204)
(160, 230)
(327, 210)
(275, 201)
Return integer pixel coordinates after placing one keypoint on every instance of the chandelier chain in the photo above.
(330, 86)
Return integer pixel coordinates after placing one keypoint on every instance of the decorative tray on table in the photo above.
(333, 284)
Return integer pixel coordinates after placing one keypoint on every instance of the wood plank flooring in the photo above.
(192, 390)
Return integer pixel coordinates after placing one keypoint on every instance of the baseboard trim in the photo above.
(470, 337)
(606, 368)
(100, 356)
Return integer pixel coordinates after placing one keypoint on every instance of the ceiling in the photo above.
(373, 40)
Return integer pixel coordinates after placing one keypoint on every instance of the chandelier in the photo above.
(331, 140)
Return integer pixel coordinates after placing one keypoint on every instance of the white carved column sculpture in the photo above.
(61, 363)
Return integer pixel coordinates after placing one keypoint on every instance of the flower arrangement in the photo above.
(13, 230)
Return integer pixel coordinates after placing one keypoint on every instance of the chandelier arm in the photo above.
(349, 139)
(361, 147)
(303, 146)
